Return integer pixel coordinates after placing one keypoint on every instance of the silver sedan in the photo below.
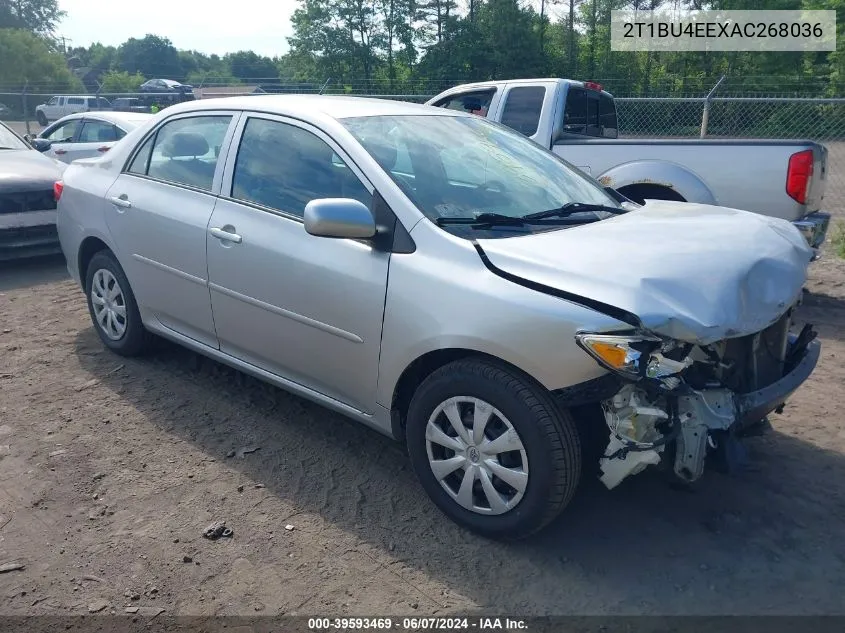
(447, 282)
(86, 134)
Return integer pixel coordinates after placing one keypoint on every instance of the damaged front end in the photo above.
(681, 402)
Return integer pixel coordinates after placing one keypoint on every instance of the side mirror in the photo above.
(340, 218)
(41, 144)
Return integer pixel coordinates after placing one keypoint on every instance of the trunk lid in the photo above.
(691, 272)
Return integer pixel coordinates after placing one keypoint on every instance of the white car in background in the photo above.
(86, 134)
(62, 105)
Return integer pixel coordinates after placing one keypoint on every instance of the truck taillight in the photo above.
(799, 175)
(58, 187)
(592, 85)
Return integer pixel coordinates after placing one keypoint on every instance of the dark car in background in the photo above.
(27, 198)
(129, 104)
(168, 87)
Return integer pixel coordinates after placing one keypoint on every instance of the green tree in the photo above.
(120, 81)
(29, 61)
(152, 56)
(249, 66)
(38, 16)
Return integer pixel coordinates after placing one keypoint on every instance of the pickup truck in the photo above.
(577, 120)
(62, 105)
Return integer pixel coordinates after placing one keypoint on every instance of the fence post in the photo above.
(705, 115)
(24, 106)
(324, 85)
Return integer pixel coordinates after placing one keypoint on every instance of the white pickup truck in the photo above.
(577, 120)
(62, 105)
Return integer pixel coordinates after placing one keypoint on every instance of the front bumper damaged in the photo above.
(700, 420)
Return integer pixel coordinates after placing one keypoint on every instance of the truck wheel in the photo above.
(112, 306)
(492, 448)
(42, 119)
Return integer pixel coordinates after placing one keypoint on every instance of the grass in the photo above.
(837, 238)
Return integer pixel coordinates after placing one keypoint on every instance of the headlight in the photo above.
(626, 355)
(635, 356)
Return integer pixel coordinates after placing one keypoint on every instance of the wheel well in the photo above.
(419, 370)
(90, 247)
(641, 191)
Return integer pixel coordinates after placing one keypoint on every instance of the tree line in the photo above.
(419, 46)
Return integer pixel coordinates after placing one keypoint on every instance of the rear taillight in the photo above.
(58, 187)
(799, 175)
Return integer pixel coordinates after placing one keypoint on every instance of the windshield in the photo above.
(10, 140)
(462, 167)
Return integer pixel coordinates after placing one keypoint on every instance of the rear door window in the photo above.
(185, 151)
(523, 106)
(575, 111)
(75, 101)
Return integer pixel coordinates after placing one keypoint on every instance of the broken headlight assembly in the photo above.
(636, 356)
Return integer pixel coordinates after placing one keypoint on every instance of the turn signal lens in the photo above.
(58, 187)
(613, 354)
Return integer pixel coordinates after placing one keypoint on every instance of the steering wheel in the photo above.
(493, 185)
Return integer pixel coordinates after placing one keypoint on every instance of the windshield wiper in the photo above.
(570, 208)
(489, 219)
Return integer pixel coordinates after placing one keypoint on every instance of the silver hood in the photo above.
(691, 272)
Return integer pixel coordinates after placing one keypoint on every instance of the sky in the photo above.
(204, 25)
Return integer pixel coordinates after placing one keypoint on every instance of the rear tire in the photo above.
(512, 477)
(112, 306)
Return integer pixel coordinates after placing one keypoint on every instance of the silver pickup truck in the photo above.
(577, 120)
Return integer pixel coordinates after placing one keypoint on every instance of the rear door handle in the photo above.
(121, 201)
(220, 234)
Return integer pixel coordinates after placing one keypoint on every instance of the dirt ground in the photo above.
(111, 468)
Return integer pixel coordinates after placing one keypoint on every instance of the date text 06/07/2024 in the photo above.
(417, 624)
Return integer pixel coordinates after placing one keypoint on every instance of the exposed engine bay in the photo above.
(682, 402)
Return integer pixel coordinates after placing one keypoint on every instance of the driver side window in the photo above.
(64, 133)
(477, 102)
(284, 167)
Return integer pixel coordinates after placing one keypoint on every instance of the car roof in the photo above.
(492, 83)
(333, 106)
(108, 115)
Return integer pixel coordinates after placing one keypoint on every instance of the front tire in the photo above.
(42, 119)
(112, 306)
(492, 448)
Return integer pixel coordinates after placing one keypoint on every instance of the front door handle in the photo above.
(59, 152)
(121, 201)
(221, 234)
